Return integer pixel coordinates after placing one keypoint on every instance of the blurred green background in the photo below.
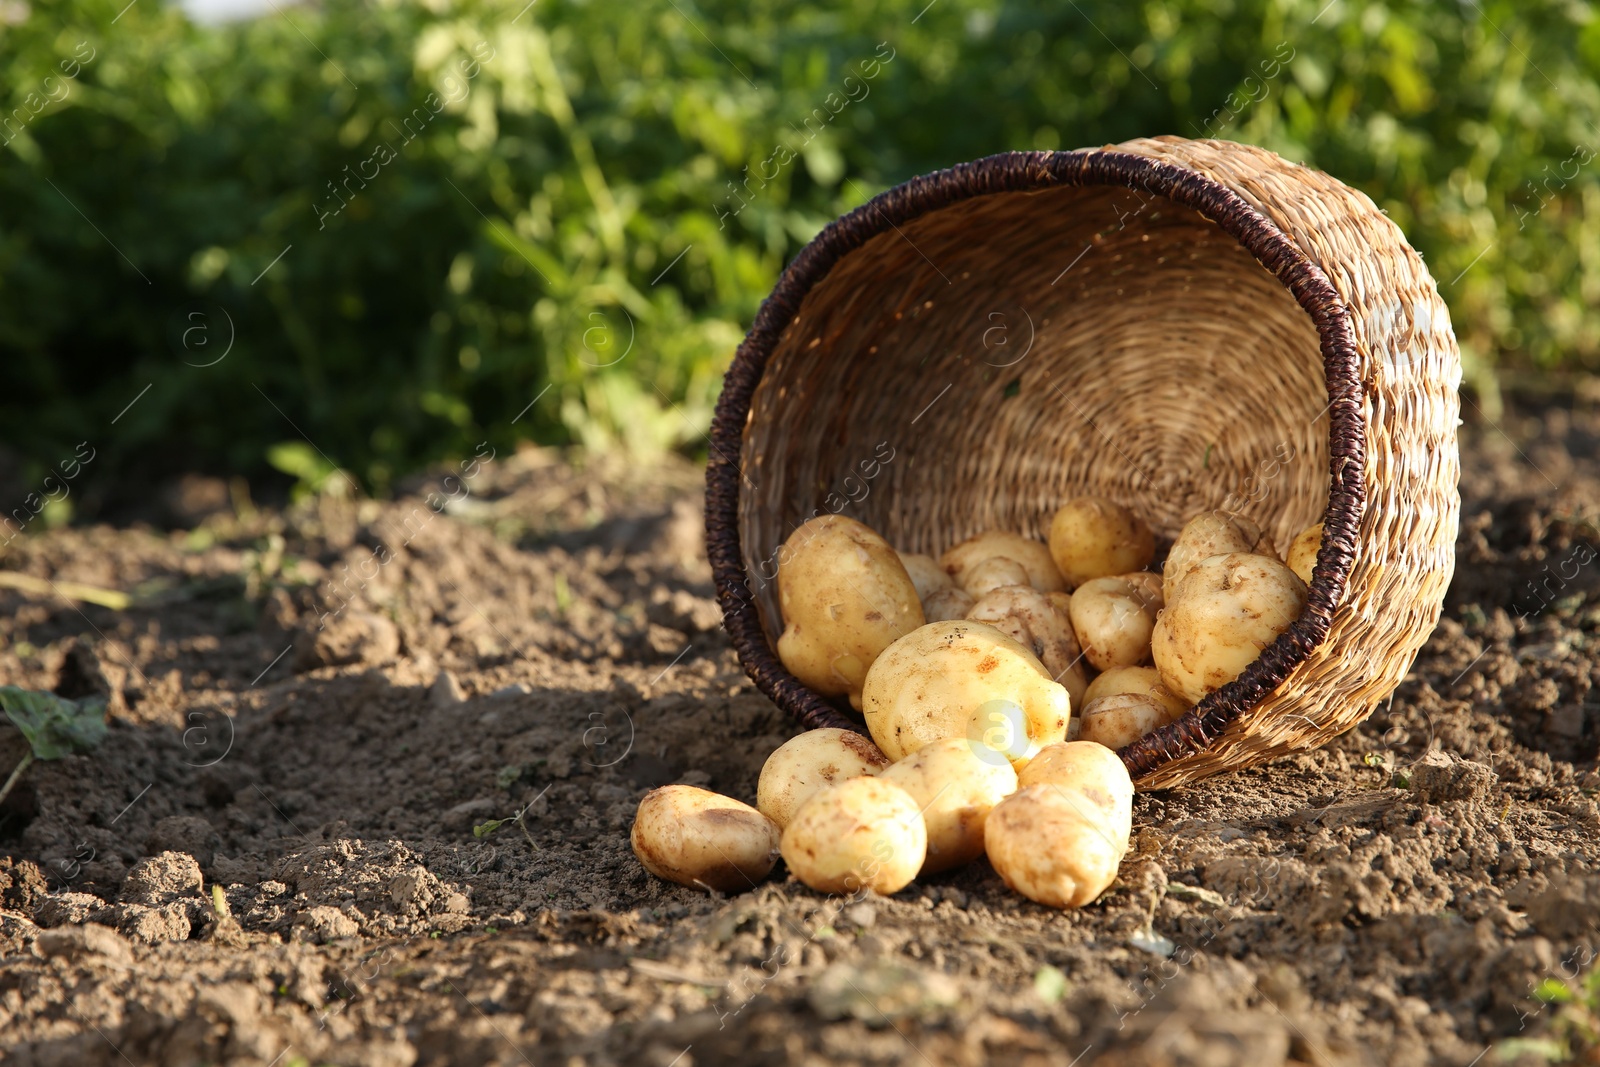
(565, 222)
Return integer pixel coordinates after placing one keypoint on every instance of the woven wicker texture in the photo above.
(1219, 328)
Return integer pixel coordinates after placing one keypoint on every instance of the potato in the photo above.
(811, 761)
(697, 838)
(862, 833)
(1210, 533)
(1055, 845)
(955, 787)
(1033, 555)
(1036, 620)
(1227, 609)
(925, 574)
(1122, 718)
(845, 597)
(1302, 554)
(1113, 621)
(1125, 680)
(1092, 769)
(1092, 537)
(996, 572)
(930, 684)
(943, 605)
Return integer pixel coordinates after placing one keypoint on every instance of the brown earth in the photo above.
(548, 649)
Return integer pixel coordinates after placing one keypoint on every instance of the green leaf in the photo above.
(54, 726)
(1553, 991)
(484, 829)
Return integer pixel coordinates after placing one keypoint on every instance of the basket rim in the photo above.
(1019, 172)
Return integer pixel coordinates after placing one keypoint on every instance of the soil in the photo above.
(371, 768)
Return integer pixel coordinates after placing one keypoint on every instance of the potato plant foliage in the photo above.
(592, 199)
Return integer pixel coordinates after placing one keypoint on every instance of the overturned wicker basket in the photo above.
(1175, 324)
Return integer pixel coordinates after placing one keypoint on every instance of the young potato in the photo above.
(1227, 610)
(1302, 554)
(1122, 718)
(863, 833)
(1036, 620)
(1091, 769)
(1210, 533)
(943, 605)
(1092, 537)
(1141, 681)
(845, 596)
(954, 787)
(1113, 619)
(925, 573)
(1055, 845)
(811, 761)
(996, 572)
(697, 838)
(930, 685)
(1034, 557)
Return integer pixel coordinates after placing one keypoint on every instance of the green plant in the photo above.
(53, 726)
(567, 242)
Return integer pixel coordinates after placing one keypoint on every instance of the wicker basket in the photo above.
(1175, 324)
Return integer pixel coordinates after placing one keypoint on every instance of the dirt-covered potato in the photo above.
(925, 574)
(1054, 845)
(1302, 554)
(1142, 681)
(942, 605)
(845, 596)
(1092, 537)
(1123, 718)
(955, 788)
(698, 838)
(1211, 533)
(863, 833)
(1113, 619)
(1036, 620)
(811, 761)
(1093, 770)
(1227, 609)
(930, 684)
(996, 572)
(1033, 555)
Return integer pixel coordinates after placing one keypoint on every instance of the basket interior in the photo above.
(979, 364)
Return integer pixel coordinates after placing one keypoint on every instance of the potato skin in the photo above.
(1054, 845)
(811, 761)
(996, 572)
(1210, 533)
(1093, 537)
(1145, 681)
(863, 833)
(955, 788)
(845, 597)
(1226, 610)
(1036, 620)
(925, 573)
(1113, 621)
(943, 605)
(698, 838)
(1302, 555)
(1033, 555)
(928, 685)
(1090, 768)
(1119, 720)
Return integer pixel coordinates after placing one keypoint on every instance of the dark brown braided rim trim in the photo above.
(1023, 172)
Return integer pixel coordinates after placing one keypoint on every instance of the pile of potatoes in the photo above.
(968, 670)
